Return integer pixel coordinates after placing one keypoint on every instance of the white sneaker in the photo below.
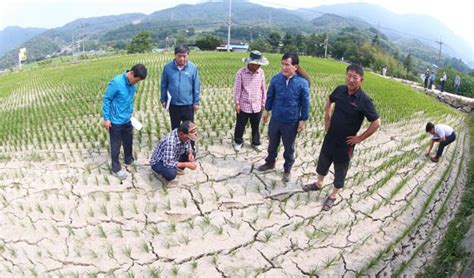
(132, 167)
(121, 175)
(237, 147)
(257, 148)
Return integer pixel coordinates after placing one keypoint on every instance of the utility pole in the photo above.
(83, 38)
(19, 61)
(228, 28)
(73, 46)
(326, 41)
(440, 42)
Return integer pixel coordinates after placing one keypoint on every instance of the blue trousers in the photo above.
(285, 132)
(121, 134)
(443, 144)
(168, 173)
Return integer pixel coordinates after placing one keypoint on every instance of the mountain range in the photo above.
(407, 32)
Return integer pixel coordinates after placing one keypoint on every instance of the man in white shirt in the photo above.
(443, 134)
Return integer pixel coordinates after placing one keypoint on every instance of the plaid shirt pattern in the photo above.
(169, 149)
(249, 90)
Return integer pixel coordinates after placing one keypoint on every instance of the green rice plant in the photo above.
(267, 236)
(154, 272)
(103, 210)
(119, 232)
(175, 271)
(172, 227)
(127, 251)
(194, 265)
(184, 202)
(120, 209)
(101, 232)
(145, 247)
(110, 252)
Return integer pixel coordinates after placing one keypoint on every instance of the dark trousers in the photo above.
(168, 173)
(442, 85)
(443, 144)
(340, 168)
(426, 82)
(287, 133)
(121, 135)
(242, 120)
(179, 113)
(456, 89)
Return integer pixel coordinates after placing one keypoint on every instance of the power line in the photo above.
(353, 19)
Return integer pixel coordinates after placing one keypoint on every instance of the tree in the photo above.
(300, 43)
(408, 63)
(208, 43)
(288, 44)
(376, 40)
(315, 45)
(274, 40)
(260, 45)
(141, 43)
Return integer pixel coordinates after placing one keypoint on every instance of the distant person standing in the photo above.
(288, 101)
(432, 80)
(443, 81)
(250, 92)
(457, 84)
(384, 71)
(117, 110)
(427, 77)
(443, 134)
(180, 87)
(351, 105)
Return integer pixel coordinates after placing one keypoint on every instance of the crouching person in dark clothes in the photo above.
(173, 154)
(351, 105)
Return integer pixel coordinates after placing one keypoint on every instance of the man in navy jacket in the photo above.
(288, 100)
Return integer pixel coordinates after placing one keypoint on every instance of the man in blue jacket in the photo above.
(180, 87)
(288, 99)
(117, 110)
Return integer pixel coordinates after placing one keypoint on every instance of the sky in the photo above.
(55, 13)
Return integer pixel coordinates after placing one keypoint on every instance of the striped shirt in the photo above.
(169, 149)
(250, 90)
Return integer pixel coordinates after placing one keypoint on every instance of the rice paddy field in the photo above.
(63, 214)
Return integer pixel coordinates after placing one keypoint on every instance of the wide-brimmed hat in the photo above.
(256, 58)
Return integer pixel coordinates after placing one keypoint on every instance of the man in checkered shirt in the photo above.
(174, 152)
(249, 94)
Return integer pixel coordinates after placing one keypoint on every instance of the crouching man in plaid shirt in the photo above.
(174, 152)
(249, 94)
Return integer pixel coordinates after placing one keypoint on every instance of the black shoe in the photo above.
(266, 166)
(286, 176)
(435, 159)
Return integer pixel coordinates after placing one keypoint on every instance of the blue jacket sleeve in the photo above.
(164, 85)
(270, 96)
(196, 88)
(107, 99)
(132, 101)
(304, 101)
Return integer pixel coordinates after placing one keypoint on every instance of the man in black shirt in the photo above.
(351, 106)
